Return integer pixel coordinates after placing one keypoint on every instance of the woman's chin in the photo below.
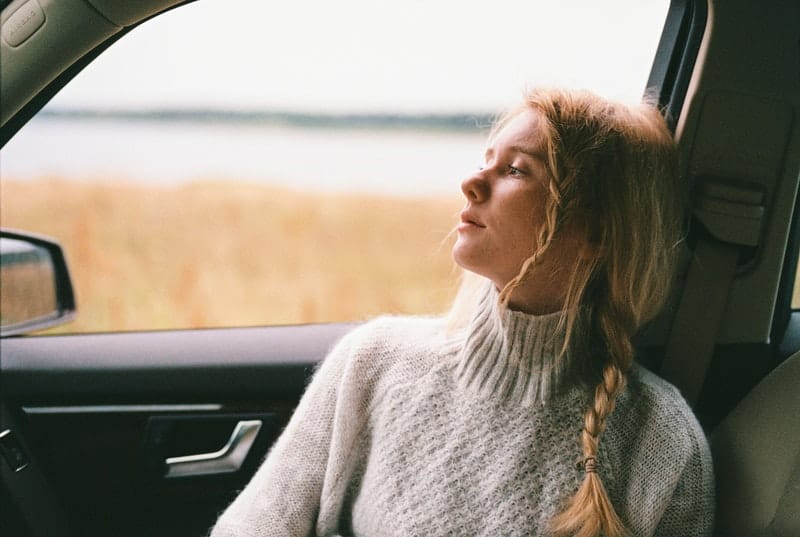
(460, 254)
(465, 257)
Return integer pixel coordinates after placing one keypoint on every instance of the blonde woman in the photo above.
(522, 412)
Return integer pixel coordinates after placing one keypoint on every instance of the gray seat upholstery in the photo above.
(756, 453)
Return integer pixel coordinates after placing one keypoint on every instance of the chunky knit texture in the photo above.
(407, 431)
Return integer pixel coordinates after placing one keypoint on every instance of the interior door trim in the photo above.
(120, 409)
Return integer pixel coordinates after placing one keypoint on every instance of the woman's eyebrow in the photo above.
(536, 155)
(530, 152)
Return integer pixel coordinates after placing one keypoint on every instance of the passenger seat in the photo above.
(756, 453)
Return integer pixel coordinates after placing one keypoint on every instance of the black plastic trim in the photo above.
(789, 344)
(676, 55)
(232, 364)
(790, 341)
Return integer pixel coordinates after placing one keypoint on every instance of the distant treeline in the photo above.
(298, 119)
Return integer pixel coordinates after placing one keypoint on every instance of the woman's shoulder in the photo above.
(391, 345)
(391, 333)
(661, 457)
(647, 386)
(658, 409)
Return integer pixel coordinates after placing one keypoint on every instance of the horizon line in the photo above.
(444, 120)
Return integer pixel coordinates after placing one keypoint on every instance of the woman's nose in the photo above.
(475, 187)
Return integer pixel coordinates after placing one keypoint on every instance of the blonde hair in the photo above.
(612, 171)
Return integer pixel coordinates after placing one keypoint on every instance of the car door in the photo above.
(98, 416)
(153, 432)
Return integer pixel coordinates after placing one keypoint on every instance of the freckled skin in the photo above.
(505, 205)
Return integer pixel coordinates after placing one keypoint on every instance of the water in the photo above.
(387, 161)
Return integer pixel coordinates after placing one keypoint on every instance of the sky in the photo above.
(410, 56)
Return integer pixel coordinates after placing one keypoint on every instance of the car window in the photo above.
(246, 163)
(796, 289)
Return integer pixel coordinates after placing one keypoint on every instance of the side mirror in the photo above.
(35, 288)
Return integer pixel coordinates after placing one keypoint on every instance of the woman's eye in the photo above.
(512, 170)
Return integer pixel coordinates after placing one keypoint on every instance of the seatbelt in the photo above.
(699, 316)
(732, 215)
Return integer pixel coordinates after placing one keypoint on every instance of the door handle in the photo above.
(223, 461)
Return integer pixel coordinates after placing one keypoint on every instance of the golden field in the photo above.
(217, 253)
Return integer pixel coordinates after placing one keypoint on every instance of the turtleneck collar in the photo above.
(516, 356)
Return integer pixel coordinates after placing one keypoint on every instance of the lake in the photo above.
(393, 161)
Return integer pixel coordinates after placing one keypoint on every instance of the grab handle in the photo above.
(226, 460)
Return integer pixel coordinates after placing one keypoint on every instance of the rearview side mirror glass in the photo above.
(35, 287)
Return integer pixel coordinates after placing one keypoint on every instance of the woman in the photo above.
(522, 412)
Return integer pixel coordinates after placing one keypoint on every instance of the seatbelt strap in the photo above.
(732, 214)
(699, 316)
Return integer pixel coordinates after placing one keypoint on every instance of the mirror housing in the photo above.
(35, 287)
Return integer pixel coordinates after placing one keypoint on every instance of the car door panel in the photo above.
(100, 414)
(161, 366)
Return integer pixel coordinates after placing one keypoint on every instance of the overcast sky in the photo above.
(373, 55)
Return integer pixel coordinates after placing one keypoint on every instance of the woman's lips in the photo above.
(468, 220)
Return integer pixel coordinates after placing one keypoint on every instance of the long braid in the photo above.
(590, 512)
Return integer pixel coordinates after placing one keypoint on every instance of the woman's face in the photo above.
(505, 207)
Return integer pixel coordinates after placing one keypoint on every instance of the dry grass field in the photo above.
(230, 254)
(218, 253)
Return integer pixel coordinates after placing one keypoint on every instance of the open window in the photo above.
(215, 169)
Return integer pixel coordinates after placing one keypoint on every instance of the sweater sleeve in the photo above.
(283, 497)
(662, 459)
(690, 512)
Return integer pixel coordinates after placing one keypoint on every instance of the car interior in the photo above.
(153, 433)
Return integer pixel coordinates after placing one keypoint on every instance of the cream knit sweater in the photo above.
(407, 431)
